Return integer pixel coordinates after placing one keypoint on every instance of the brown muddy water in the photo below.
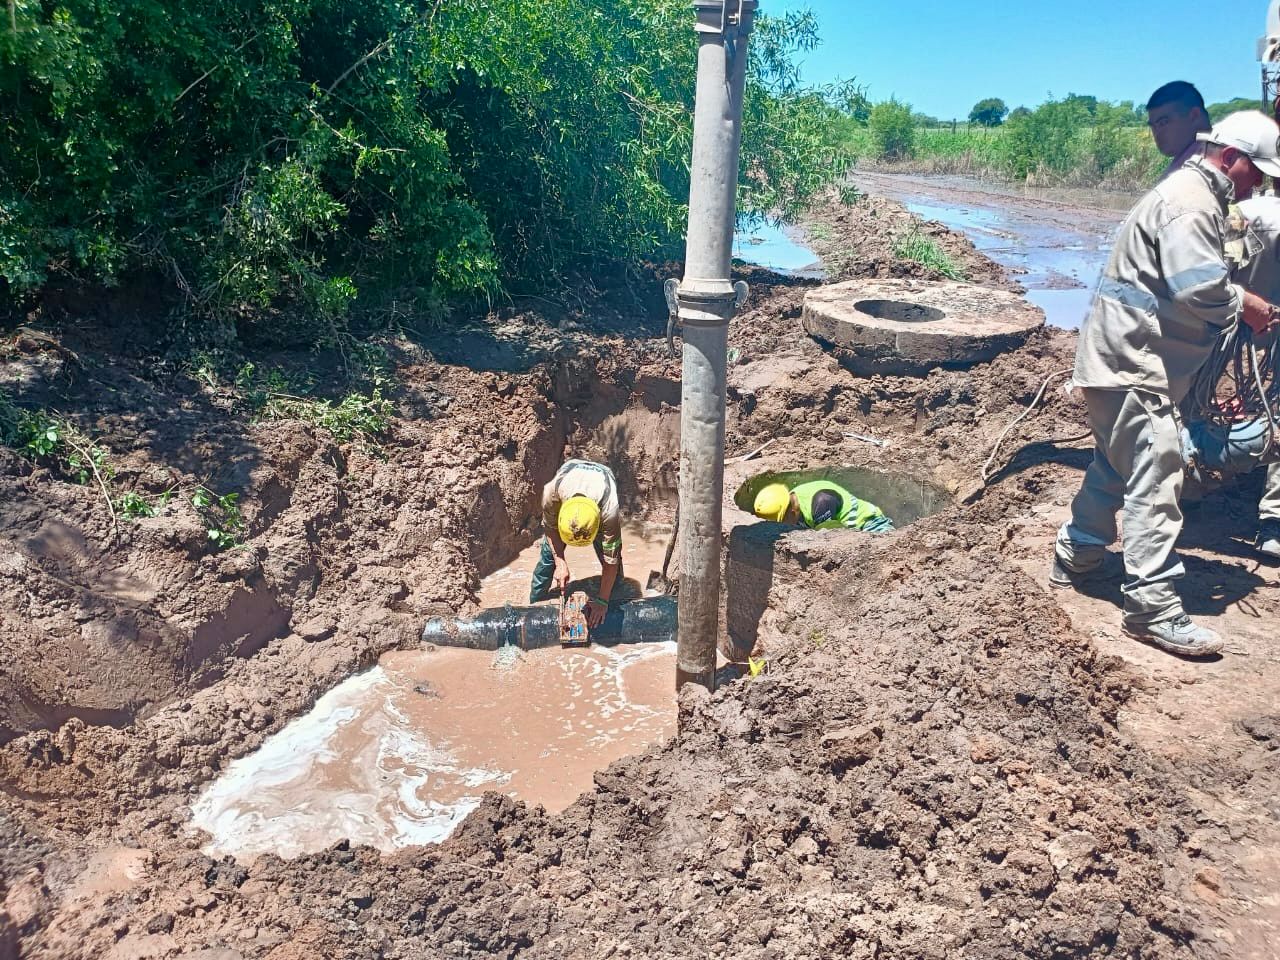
(1054, 242)
(399, 755)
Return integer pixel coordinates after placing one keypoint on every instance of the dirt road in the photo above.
(945, 759)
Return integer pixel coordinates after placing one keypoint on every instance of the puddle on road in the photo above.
(1057, 254)
(778, 248)
(400, 754)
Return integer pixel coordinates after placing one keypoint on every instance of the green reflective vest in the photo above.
(854, 513)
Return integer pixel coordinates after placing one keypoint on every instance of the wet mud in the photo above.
(942, 758)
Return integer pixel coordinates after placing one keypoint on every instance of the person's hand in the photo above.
(1257, 314)
(597, 610)
(561, 576)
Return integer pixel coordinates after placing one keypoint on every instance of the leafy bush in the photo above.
(1045, 138)
(223, 522)
(54, 442)
(1219, 110)
(322, 155)
(893, 130)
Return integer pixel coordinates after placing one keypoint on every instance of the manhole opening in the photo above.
(898, 310)
(905, 498)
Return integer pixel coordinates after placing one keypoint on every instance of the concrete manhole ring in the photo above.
(909, 326)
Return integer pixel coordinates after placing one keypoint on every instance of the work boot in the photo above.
(1064, 578)
(1177, 636)
(1268, 542)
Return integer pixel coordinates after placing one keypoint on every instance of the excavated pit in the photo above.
(756, 559)
(400, 754)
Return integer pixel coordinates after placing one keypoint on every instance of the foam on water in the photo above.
(400, 754)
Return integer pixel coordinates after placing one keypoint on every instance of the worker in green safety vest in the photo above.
(820, 505)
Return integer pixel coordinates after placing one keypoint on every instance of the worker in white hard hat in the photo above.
(580, 509)
(1164, 297)
(1260, 273)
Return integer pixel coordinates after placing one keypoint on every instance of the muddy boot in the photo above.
(1179, 636)
(1268, 542)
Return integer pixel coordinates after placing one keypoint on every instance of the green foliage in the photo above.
(1219, 110)
(892, 129)
(272, 395)
(325, 156)
(134, 506)
(1045, 138)
(53, 442)
(1078, 139)
(918, 248)
(989, 112)
(224, 525)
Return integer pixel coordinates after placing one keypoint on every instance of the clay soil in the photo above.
(944, 759)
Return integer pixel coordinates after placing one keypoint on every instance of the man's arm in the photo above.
(1195, 271)
(551, 529)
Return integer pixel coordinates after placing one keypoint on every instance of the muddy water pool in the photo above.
(400, 754)
(1054, 242)
(778, 247)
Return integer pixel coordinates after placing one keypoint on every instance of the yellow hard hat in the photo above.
(773, 502)
(579, 521)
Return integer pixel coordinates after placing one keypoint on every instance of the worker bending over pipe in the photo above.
(580, 509)
(820, 505)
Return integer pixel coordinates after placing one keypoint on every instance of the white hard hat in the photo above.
(1254, 134)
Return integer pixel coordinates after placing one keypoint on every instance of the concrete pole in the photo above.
(706, 300)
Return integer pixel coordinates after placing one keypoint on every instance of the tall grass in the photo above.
(1059, 143)
(918, 248)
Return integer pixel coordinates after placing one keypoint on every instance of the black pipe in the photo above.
(651, 620)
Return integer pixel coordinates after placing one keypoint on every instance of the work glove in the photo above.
(1257, 314)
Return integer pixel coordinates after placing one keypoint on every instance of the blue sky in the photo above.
(944, 57)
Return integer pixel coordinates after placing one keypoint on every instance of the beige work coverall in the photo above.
(1164, 297)
(1262, 275)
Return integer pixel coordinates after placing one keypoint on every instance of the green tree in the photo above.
(327, 155)
(989, 112)
(893, 129)
(1219, 110)
(1047, 138)
(1086, 103)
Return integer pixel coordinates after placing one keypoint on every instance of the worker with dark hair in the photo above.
(819, 505)
(1165, 296)
(1176, 114)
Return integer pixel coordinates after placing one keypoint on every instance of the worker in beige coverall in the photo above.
(1176, 114)
(1262, 275)
(1164, 297)
(580, 508)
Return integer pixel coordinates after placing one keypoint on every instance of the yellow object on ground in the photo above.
(772, 502)
(578, 522)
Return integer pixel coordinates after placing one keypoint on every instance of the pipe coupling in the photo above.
(725, 17)
(708, 302)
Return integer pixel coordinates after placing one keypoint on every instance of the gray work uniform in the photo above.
(1164, 297)
(1262, 276)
